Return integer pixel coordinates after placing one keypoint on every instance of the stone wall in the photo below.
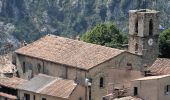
(49, 68)
(118, 70)
(76, 95)
(115, 72)
(152, 89)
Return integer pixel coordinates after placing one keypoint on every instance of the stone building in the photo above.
(8, 87)
(79, 61)
(44, 87)
(101, 70)
(143, 34)
(152, 88)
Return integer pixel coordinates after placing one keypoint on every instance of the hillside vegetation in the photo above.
(30, 19)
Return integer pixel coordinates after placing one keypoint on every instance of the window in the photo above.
(80, 98)
(167, 89)
(129, 66)
(104, 98)
(26, 96)
(39, 68)
(135, 91)
(136, 47)
(101, 82)
(43, 98)
(136, 26)
(151, 27)
(34, 97)
(89, 92)
(24, 69)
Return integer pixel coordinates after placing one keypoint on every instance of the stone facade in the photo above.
(49, 68)
(152, 88)
(78, 94)
(143, 34)
(114, 71)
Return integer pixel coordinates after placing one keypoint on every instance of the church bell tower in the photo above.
(143, 34)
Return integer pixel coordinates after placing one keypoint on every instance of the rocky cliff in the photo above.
(30, 19)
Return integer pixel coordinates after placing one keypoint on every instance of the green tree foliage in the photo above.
(105, 34)
(164, 44)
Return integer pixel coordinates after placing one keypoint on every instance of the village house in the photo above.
(99, 69)
(44, 87)
(152, 88)
(148, 88)
(8, 87)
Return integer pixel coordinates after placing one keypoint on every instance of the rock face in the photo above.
(33, 18)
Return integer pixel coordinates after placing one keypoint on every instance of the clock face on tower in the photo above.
(150, 42)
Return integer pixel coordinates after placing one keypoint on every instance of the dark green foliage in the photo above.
(105, 34)
(164, 44)
(71, 17)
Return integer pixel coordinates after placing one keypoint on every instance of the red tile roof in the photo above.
(56, 87)
(69, 52)
(160, 67)
(9, 96)
(152, 77)
(128, 98)
(60, 88)
(11, 82)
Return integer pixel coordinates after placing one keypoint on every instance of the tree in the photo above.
(105, 34)
(164, 44)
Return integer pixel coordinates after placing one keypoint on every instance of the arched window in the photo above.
(101, 82)
(151, 27)
(136, 26)
(39, 68)
(136, 47)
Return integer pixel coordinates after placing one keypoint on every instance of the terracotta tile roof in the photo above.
(128, 98)
(160, 67)
(60, 88)
(11, 82)
(9, 96)
(36, 83)
(152, 77)
(49, 85)
(69, 52)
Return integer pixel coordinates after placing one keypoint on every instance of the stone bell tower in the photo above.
(143, 34)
